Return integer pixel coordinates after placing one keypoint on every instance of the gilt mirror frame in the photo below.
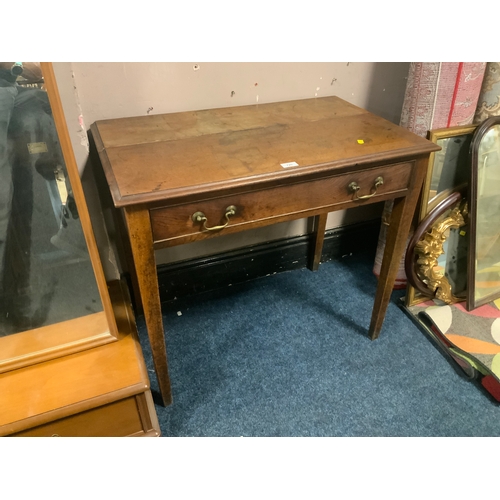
(422, 266)
(432, 197)
(484, 255)
(49, 341)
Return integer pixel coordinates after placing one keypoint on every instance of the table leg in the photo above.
(126, 258)
(141, 242)
(397, 238)
(318, 239)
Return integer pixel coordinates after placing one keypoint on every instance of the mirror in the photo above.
(484, 234)
(449, 168)
(435, 260)
(448, 171)
(52, 299)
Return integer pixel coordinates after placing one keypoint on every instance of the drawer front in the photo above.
(176, 225)
(119, 419)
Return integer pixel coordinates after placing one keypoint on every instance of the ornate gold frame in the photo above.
(426, 245)
(430, 247)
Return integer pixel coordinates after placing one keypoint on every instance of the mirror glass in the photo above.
(46, 275)
(450, 168)
(485, 200)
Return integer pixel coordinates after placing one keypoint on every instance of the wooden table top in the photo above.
(182, 156)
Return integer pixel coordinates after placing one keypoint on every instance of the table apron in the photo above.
(173, 225)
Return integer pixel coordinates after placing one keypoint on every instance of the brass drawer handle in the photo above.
(200, 217)
(354, 187)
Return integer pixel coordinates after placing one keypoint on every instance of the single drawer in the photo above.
(176, 224)
(119, 419)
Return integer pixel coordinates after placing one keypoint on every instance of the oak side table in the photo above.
(183, 177)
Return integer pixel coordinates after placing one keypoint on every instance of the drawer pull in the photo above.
(200, 217)
(354, 187)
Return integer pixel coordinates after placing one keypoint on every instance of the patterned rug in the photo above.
(489, 98)
(440, 95)
(470, 338)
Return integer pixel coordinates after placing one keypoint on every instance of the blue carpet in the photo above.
(289, 355)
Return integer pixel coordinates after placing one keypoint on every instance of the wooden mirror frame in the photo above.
(480, 133)
(67, 337)
(414, 295)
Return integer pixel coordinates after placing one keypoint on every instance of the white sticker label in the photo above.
(289, 164)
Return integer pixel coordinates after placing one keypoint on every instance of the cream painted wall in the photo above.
(94, 91)
(112, 90)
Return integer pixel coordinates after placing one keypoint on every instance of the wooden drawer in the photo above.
(175, 224)
(127, 417)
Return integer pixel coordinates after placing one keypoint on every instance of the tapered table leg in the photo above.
(141, 242)
(318, 239)
(125, 255)
(395, 245)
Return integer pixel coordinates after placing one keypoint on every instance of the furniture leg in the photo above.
(141, 242)
(126, 257)
(318, 239)
(397, 238)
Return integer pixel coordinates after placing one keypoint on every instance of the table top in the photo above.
(182, 156)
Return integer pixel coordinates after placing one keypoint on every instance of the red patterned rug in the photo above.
(441, 95)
